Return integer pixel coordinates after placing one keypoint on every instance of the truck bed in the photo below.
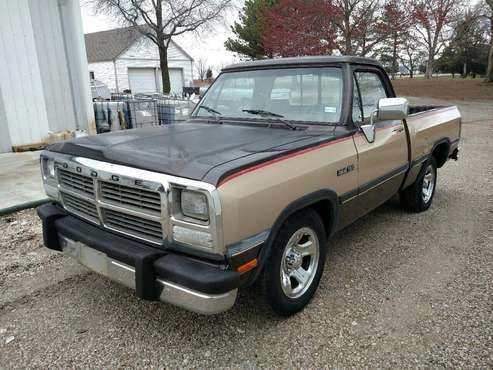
(429, 125)
(414, 109)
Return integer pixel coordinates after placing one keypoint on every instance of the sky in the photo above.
(208, 45)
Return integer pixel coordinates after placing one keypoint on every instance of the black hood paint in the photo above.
(192, 150)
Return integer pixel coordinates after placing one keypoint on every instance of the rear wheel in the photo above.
(419, 196)
(296, 263)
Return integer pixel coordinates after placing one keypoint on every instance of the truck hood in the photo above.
(189, 150)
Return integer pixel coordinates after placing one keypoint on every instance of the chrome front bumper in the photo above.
(167, 291)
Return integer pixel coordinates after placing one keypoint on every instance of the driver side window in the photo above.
(368, 90)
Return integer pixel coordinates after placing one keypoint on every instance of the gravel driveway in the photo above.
(400, 291)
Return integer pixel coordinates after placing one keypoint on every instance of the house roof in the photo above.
(264, 63)
(108, 45)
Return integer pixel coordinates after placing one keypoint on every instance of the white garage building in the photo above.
(125, 59)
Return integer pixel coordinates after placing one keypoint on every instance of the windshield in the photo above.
(294, 94)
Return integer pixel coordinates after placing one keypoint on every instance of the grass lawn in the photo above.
(445, 88)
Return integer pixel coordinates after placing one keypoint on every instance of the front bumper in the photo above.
(154, 274)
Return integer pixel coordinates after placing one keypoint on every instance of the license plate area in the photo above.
(99, 262)
(91, 258)
(94, 260)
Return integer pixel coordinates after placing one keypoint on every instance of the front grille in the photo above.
(112, 204)
(76, 182)
(126, 196)
(81, 207)
(133, 225)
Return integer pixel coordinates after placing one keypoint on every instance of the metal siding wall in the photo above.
(5, 145)
(52, 58)
(74, 44)
(20, 81)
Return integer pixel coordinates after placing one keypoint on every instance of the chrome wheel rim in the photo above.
(299, 262)
(428, 184)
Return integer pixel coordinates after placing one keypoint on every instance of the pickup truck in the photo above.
(277, 156)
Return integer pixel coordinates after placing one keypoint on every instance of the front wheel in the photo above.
(296, 263)
(418, 196)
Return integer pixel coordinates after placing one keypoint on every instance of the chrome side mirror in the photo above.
(390, 109)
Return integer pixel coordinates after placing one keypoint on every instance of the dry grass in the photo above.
(445, 88)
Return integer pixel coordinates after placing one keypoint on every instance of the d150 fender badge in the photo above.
(345, 170)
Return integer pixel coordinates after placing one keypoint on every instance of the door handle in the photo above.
(398, 129)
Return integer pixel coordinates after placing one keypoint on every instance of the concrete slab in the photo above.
(20, 181)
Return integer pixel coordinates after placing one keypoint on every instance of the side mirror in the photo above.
(390, 109)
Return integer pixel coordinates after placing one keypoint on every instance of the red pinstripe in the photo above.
(281, 158)
(290, 155)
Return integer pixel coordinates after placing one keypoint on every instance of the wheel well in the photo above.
(325, 212)
(440, 153)
(324, 202)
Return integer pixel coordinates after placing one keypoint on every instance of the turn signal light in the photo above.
(247, 266)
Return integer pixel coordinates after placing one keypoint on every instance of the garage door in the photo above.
(176, 80)
(142, 80)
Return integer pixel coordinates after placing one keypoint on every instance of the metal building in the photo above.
(44, 84)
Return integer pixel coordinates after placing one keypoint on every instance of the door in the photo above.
(382, 164)
(142, 80)
(175, 79)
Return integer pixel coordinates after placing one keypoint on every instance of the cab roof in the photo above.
(302, 61)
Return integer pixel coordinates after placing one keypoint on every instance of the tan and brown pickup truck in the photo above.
(278, 155)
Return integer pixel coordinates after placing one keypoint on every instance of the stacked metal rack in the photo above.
(142, 113)
(173, 110)
(126, 111)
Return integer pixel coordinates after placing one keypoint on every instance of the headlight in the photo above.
(194, 205)
(49, 179)
(48, 168)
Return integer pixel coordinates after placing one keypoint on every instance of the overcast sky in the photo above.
(208, 45)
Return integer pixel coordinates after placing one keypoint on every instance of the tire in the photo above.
(287, 264)
(419, 196)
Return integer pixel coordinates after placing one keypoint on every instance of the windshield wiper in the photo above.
(264, 113)
(214, 112)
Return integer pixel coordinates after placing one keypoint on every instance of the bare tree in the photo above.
(201, 69)
(216, 69)
(160, 20)
(489, 70)
(432, 19)
(359, 26)
(411, 55)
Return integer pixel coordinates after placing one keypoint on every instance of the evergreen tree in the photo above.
(248, 31)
